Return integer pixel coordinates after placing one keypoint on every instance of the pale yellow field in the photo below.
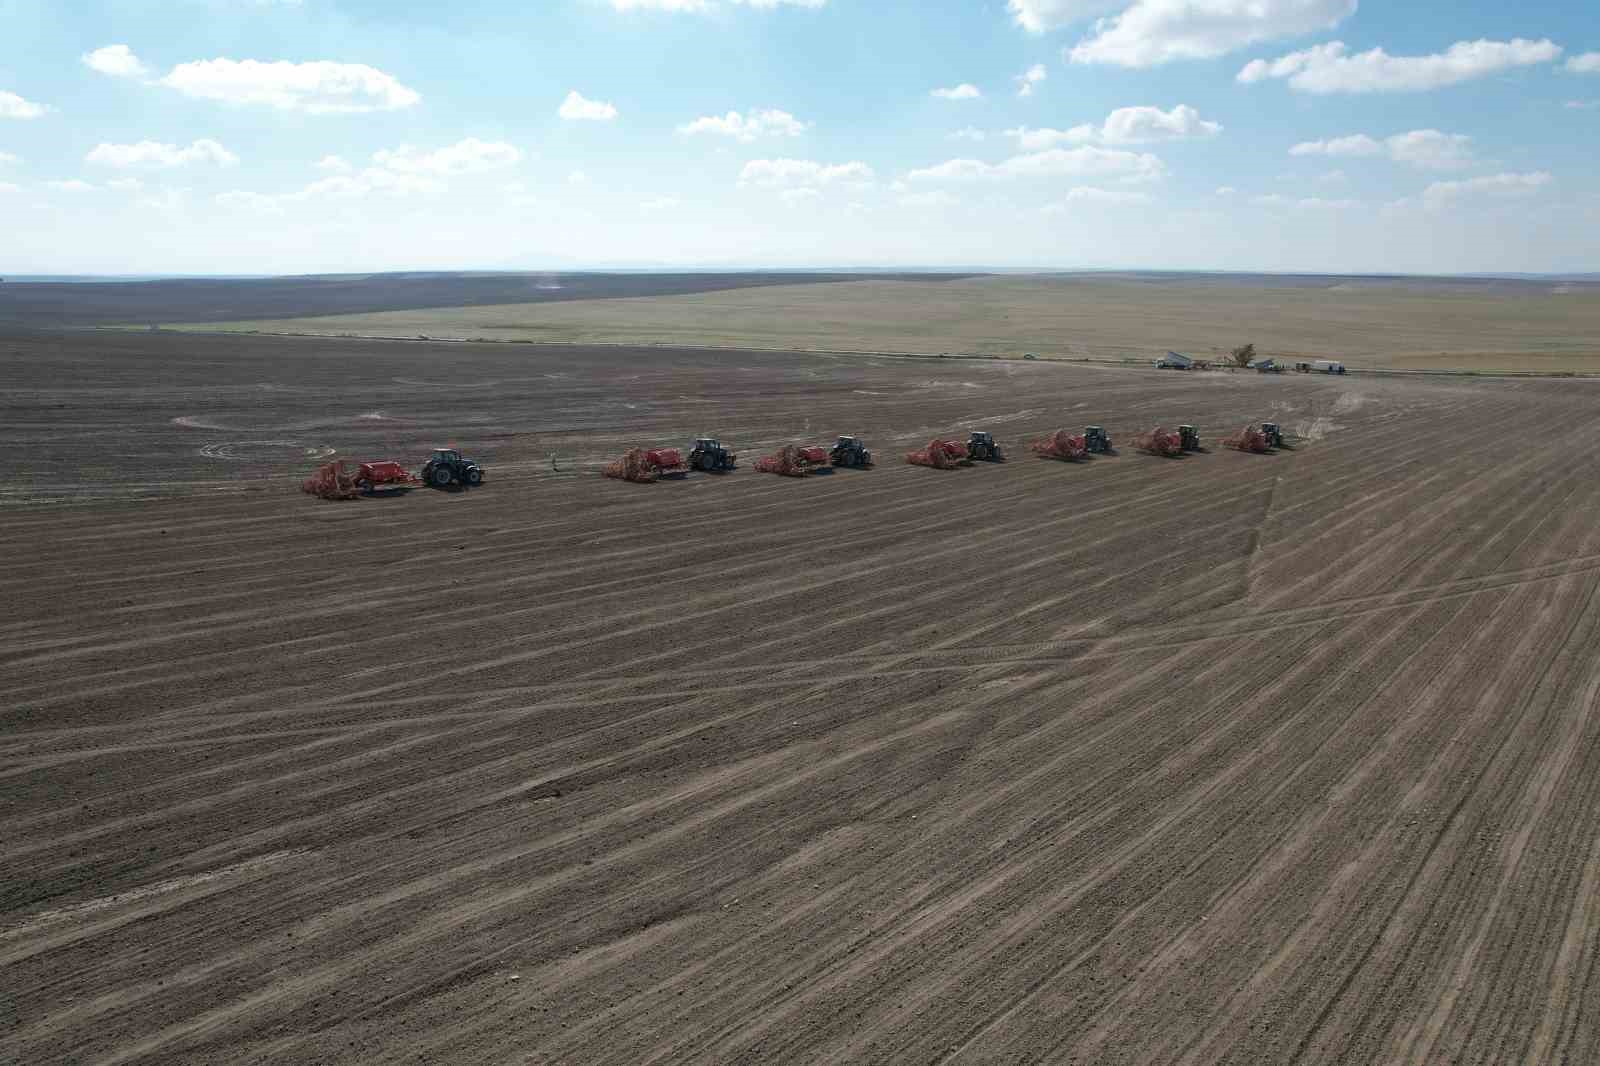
(1378, 323)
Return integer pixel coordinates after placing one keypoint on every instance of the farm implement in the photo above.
(1249, 439)
(645, 466)
(337, 481)
(1160, 441)
(791, 461)
(1098, 441)
(939, 454)
(1061, 445)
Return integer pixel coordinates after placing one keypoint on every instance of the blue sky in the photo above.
(265, 136)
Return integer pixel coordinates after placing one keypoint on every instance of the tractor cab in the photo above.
(1189, 438)
(981, 438)
(845, 442)
(1273, 433)
(446, 455)
(707, 443)
(1096, 440)
(447, 466)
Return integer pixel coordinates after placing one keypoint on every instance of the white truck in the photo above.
(1327, 366)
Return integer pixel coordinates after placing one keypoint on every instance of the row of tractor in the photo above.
(448, 468)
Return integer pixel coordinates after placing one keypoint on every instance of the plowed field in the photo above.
(1230, 758)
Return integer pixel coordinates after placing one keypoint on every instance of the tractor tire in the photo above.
(474, 476)
(440, 477)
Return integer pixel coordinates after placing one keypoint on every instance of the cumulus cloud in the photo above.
(1429, 149)
(1151, 32)
(781, 173)
(795, 197)
(1443, 194)
(334, 164)
(1588, 63)
(156, 155)
(576, 108)
(970, 133)
(117, 60)
(1331, 68)
(577, 177)
(1087, 160)
(125, 184)
(661, 203)
(14, 106)
(1126, 125)
(748, 127)
(319, 87)
(1041, 16)
(6, 159)
(1226, 190)
(1028, 79)
(470, 156)
(71, 185)
(964, 91)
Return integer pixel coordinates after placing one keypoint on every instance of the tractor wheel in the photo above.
(474, 476)
(440, 476)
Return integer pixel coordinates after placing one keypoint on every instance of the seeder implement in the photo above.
(643, 466)
(385, 474)
(332, 481)
(1061, 445)
(1159, 441)
(791, 461)
(1249, 439)
(939, 454)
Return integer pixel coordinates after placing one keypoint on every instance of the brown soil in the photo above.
(1228, 758)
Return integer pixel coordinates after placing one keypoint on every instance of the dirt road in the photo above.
(1233, 758)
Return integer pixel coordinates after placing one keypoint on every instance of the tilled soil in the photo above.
(1230, 758)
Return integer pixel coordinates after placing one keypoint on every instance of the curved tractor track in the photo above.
(1235, 758)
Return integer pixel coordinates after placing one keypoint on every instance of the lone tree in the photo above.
(1244, 356)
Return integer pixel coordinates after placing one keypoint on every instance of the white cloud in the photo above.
(6, 159)
(1141, 125)
(1431, 149)
(116, 60)
(1053, 162)
(928, 199)
(1334, 177)
(1151, 32)
(334, 164)
(661, 203)
(71, 185)
(14, 106)
(1581, 105)
(577, 177)
(795, 197)
(1428, 149)
(1030, 78)
(1307, 203)
(780, 173)
(1588, 63)
(7, 187)
(702, 6)
(746, 128)
(1330, 68)
(1089, 194)
(576, 108)
(1226, 190)
(370, 182)
(317, 88)
(1442, 194)
(970, 133)
(964, 91)
(1126, 125)
(1356, 145)
(125, 184)
(1040, 16)
(470, 156)
(154, 154)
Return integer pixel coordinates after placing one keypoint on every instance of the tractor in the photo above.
(850, 451)
(447, 467)
(1189, 438)
(709, 455)
(1273, 434)
(1097, 441)
(982, 446)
